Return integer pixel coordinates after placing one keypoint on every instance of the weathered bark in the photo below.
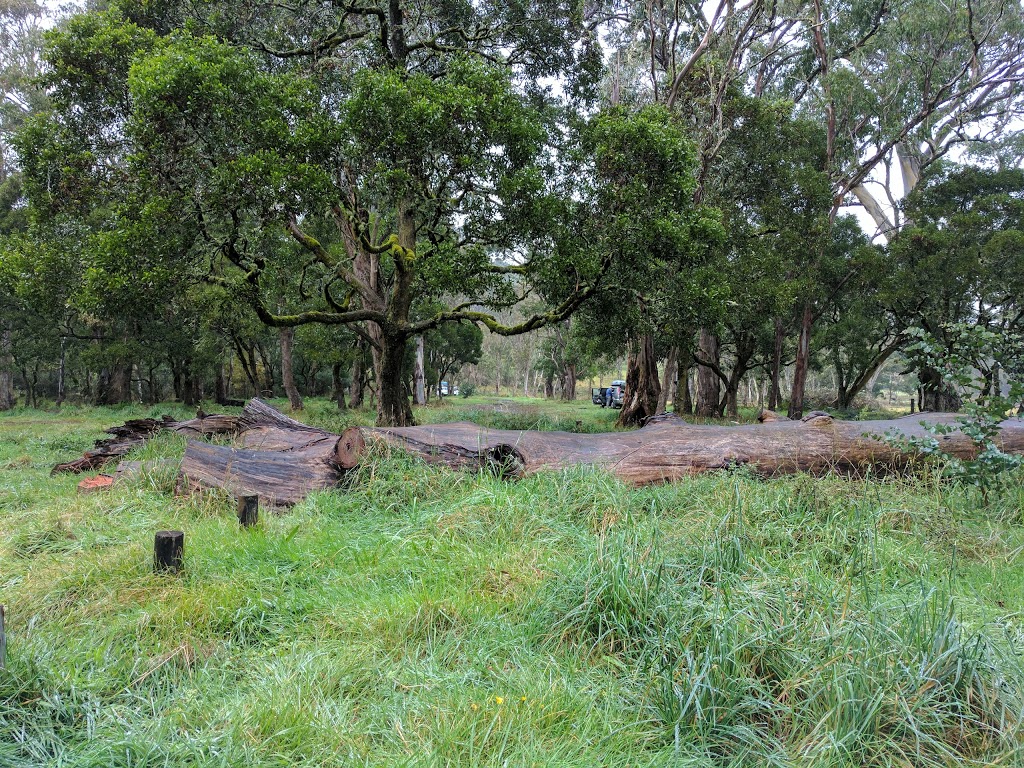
(669, 449)
(287, 337)
(709, 390)
(393, 407)
(732, 406)
(275, 476)
(277, 458)
(668, 381)
(642, 386)
(549, 384)
(280, 460)
(134, 432)
(567, 380)
(114, 385)
(803, 356)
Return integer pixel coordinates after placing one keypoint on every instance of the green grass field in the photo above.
(424, 617)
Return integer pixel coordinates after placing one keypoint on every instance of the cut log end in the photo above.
(818, 418)
(349, 450)
(505, 461)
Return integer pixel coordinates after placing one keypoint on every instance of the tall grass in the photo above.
(424, 617)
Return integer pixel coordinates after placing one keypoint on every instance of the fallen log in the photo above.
(279, 459)
(276, 457)
(279, 478)
(135, 432)
(668, 448)
(264, 428)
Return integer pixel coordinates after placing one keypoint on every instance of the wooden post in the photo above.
(167, 551)
(3, 640)
(248, 510)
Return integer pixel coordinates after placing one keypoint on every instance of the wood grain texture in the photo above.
(275, 457)
(669, 448)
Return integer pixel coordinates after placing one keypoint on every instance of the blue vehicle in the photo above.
(599, 395)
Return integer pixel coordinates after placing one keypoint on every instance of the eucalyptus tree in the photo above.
(693, 59)
(896, 87)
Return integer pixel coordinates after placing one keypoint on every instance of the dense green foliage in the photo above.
(190, 175)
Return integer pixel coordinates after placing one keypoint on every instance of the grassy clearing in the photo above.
(424, 617)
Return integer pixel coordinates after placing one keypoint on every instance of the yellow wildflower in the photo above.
(498, 700)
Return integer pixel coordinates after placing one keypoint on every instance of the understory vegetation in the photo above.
(420, 616)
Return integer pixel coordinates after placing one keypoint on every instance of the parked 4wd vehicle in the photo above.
(599, 395)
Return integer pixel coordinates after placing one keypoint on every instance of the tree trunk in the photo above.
(419, 375)
(134, 432)
(549, 385)
(7, 397)
(709, 390)
(152, 386)
(269, 374)
(220, 388)
(355, 385)
(683, 385)
(393, 409)
(61, 372)
(668, 382)
(775, 395)
(803, 355)
(642, 386)
(281, 460)
(732, 400)
(568, 382)
(176, 383)
(338, 387)
(114, 385)
(193, 389)
(936, 395)
(287, 337)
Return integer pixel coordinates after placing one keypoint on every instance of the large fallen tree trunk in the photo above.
(668, 448)
(275, 457)
(281, 460)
